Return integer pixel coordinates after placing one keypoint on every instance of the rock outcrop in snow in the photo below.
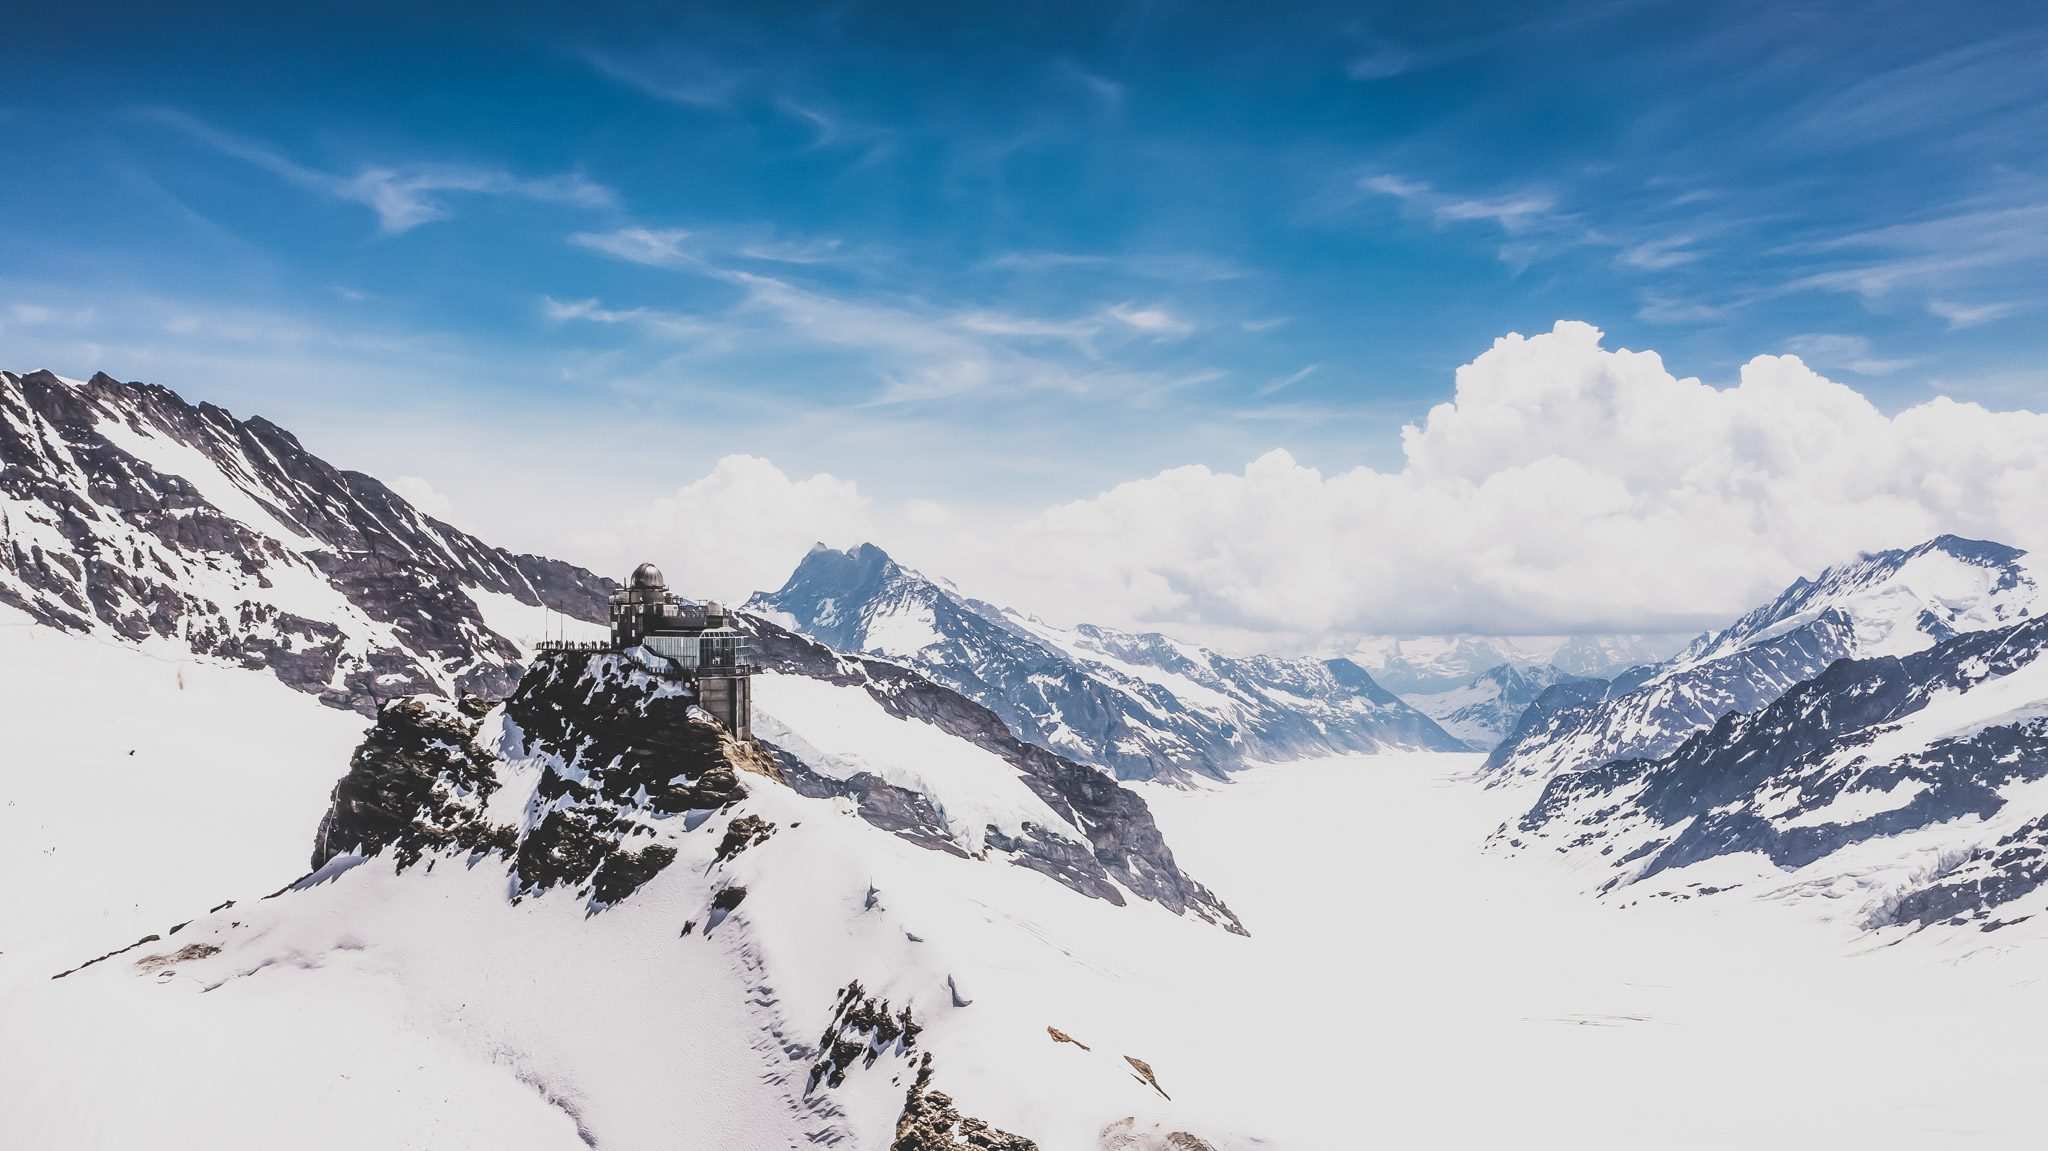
(593, 752)
(128, 511)
(1141, 706)
(1890, 603)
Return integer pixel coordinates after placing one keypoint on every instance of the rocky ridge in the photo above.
(1915, 781)
(126, 510)
(1892, 602)
(1141, 706)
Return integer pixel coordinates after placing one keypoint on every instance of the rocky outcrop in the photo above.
(417, 784)
(615, 749)
(930, 1122)
(125, 509)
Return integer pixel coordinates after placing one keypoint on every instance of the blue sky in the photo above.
(997, 254)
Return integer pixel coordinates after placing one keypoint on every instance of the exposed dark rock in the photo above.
(742, 833)
(1059, 1036)
(1761, 781)
(417, 784)
(618, 750)
(930, 1122)
(1145, 1075)
(862, 1029)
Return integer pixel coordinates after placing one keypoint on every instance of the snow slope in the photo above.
(142, 784)
(422, 1009)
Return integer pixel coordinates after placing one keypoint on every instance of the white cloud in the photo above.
(1969, 315)
(920, 352)
(740, 529)
(656, 247)
(421, 494)
(1566, 488)
(1657, 255)
(404, 197)
(1152, 320)
(1513, 212)
(1287, 381)
(1851, 353)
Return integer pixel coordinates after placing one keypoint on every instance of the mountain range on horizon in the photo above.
(1140, 705)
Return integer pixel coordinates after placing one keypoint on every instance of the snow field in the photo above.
(140, 786)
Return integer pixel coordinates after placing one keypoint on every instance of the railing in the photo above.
(736, 665)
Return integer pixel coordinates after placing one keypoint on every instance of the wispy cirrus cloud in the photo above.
(403, 196)
(1513, 212)
(918, 351)
(1844, 352)
(1942, 254)
(1969, 315)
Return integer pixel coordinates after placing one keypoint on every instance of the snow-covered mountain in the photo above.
(128, 513)
(1141, 706)
(1434, 664)
(596, 915)
(184, 592)
(1907, 789)
(1486, 709)
(1889, 603)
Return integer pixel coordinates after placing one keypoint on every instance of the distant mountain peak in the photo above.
(1140, 705)
(1887, 603)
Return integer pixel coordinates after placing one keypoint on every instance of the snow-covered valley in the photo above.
(1399, 987)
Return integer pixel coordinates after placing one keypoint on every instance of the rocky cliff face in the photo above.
(127, 510)
(589, 755)
(1142, 706)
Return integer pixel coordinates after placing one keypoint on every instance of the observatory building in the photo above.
(697, 639)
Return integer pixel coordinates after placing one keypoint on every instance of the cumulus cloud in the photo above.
(1565, 488)
(741, 528)
(422, 495)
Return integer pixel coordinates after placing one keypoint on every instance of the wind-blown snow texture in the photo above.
(1890, 603)
(126, 511)
(1141, 706)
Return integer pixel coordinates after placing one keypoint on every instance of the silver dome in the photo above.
(648, 576)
